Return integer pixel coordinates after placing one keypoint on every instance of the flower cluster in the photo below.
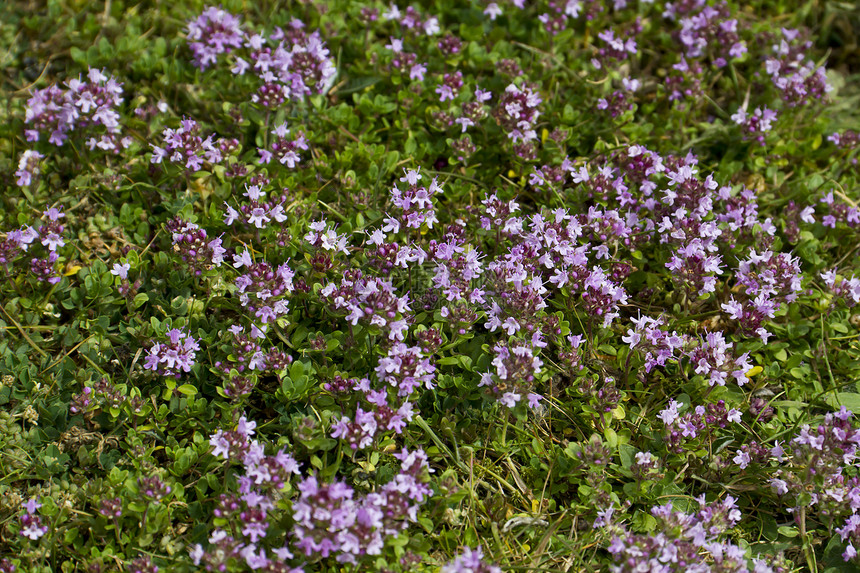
(257, 212)
(28, 167)
(415, 204)
(818, 471)
(406, 369)
(324, 238)
(263, 290)
(332, 521)
(284, 148)
(616, 103)
(756, 124)
(768, 280)
(370, 301)
(289, 64)
(470, 561)
(125, 287)
(741, 220)
(213, 33)
(701, 421)
(472, 113)
(193, 246)
(645, 466)
(684, 83)
(713, 360)
(797, 78)
(555, 20)
(847, 139)
(841, 211)
(404, 62)
(263, 478)
(142, 564)
(173, 357)
(51, 233)
(457, 265)
(152, 489)
(185, 145)
(51, 237)
(16, 242)
(30, 521)
(411, 21)
(516, 367)
(450, 86)
(499, 215)
(708, 30)
(679, 540)
(842, 288)
(361, 431)
(614, 48)
(84, 105)
(517, 112)
(102, 394)
(603, 296)
(246, 354)
(656, 344)
(111, 508)
(306, 68)
(752, 452)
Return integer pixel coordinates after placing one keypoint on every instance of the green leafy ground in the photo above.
(123, 454)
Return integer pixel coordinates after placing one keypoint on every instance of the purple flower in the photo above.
(359, 434)
(470, 561)
(670, 414)
(509, 399)
(174, 357)
(416, 72)
(186, 146)
(28, 167)
(120, 270)
(405, 368)
(85, 104)
(517, 112)
(284, 148)
(31, 523)
(32, 505)
(213, 33)
(493, 11)
(679, 539)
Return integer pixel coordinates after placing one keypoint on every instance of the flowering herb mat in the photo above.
(345, 286)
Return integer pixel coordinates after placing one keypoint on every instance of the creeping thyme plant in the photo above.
(511, 285)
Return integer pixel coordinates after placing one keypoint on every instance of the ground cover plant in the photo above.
(444, 286)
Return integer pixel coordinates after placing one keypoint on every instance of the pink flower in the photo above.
(120, 270)
(510, 399)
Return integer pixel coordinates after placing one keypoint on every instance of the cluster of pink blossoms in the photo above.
(89, 105)
(52, 237)
(290, 64)
(185, 145)
(332, 520)
(174, 356)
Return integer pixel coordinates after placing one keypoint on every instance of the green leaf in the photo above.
(297, 370)
(611, 437)
(188, 389)
(627, 454)
(788, 531)
(357, 85)
(848, 399)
